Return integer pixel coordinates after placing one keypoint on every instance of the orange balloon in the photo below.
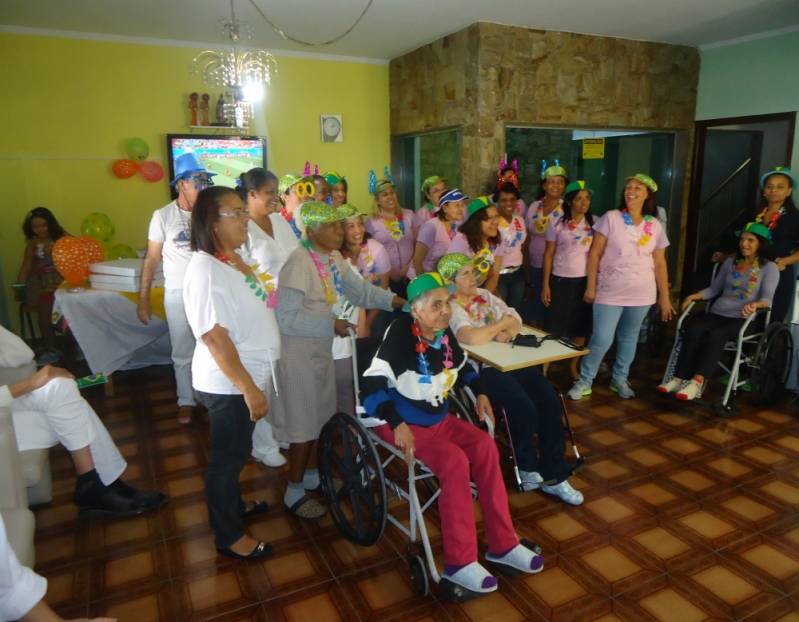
(72, 256)
(151, 171)
(124, 168)
(93, 250)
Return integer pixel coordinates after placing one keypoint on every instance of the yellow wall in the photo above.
(68, 106)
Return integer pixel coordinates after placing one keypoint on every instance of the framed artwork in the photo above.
(332, 130)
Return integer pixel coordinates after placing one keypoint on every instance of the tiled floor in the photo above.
(687, 517)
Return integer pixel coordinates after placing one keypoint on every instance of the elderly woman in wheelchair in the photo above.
(530, 402)
(407, 384)
(742, 286)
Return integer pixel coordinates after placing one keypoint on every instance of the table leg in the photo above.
(109, 386)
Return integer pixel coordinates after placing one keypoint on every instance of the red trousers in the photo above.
(448, 448)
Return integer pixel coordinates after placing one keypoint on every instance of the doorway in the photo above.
(730, 154)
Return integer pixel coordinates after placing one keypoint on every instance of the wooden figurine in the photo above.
(193, 107)
(204, 109)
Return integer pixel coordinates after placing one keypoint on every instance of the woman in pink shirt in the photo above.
(436, 234)
(432, 189)
(479, 238)
(539, 214)
(565, 267)
(391, 225)
(512, 233)
(627, 274)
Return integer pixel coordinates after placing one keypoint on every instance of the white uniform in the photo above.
(20, 588)
(56, 413)
(171, 227)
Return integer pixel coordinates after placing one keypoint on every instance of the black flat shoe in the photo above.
(257, 507)
(261, 551)
(147, 500)
(109, 504)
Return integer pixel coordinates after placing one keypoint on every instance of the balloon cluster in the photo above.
(98, 226)
(137, 150)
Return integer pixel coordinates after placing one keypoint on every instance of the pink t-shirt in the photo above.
(537, 225)
(435, 235)
(400, 251)
(571, 247)
(421, 216)
(512, 236)
(521, 209)
(627, 271)
(373, 261)
(460, 244)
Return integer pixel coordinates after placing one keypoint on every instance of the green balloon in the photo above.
(98, 226)
(137, 149)
(120, 251)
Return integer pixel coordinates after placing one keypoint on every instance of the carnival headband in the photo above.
(554, 170)
(429, 182)
(779, 170)
(333, 178)
(756, 228)
(315, 213)
(644, 179)
(376, 186)
(424, 283)
(306, 172)
(347, 211)
(578, 185)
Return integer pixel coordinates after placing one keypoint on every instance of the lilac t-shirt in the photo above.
(421, 216)
(537, 225)
(400, 252)
(627, 271)
(512, 236)
(434, 234)
(571, 247)
(373, 261)
(460, 244)
(731, 297)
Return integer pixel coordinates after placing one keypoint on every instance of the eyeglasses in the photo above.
(238, 213)
(201, 183)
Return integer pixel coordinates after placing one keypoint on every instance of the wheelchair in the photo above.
(359, 471)
(762, 355)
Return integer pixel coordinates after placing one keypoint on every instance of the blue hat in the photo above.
(779, 170)
(187, 164)
(450, 197)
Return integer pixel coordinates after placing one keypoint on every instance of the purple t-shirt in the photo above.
(571, 247)
(627, 270)
(421, 216)
(512, 236)
(373, 261)
(537, 225)
(734, 291)
(400, 251)
(435, 235)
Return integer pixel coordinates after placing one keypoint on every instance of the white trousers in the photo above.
(263, 439)
(56, 413)
(182, 345)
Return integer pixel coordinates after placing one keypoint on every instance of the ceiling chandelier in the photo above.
(242, 72)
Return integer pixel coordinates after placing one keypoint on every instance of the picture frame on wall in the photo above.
(332, 128)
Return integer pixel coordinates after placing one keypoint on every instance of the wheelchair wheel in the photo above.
(348, 459)
(419, 580)
(774, 363)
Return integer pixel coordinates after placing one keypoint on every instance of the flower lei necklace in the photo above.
(518, 228)
(442, 340)
(284, 212)
(745, 288)
(477, 309)
(452, 230)
(577, 238)
(641, 238)
(261, 283)
(540, 220)
(775, 218)
(396, 227)
(366, 263)
(331, 293)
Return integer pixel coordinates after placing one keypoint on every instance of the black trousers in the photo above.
(703, 339)
(511, 289)
(533, 409)
(231, 444)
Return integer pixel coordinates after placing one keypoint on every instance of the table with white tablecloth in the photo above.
(108, 331)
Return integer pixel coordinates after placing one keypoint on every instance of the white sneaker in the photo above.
(271, 458)
(672, 386)
(622, 388)
(530, 480)
(566, 492)
(579, 390)
(690, 391)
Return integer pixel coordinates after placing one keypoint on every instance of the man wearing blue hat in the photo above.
(168, 241)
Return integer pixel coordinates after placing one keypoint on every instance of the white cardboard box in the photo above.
(120, 267)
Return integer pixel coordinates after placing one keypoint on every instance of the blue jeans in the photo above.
(533, 310)
(625, 324)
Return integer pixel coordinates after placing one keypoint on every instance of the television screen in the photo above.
(227, 156)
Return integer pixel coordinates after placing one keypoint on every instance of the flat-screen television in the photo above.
(227, 156)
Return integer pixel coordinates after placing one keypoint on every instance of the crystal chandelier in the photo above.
(243, 72)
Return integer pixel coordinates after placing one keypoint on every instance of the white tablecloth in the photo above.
(110, 334)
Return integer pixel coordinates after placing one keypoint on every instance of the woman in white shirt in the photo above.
(230, 307)
(270, 241)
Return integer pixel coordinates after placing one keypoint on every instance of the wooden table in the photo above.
(506, 357)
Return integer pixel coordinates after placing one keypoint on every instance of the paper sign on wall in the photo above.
(593, 148)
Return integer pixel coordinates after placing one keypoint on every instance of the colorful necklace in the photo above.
(452, 231)
(577, 238)
(518, 228)
(477, 309)
(396, 227)
(442, 340)
(640, 237)
(366, 264)
(290, 220)
(775, 218)
(745, 287)
(331, 293)
(484, 259)
(541, 221)
(260, 282)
